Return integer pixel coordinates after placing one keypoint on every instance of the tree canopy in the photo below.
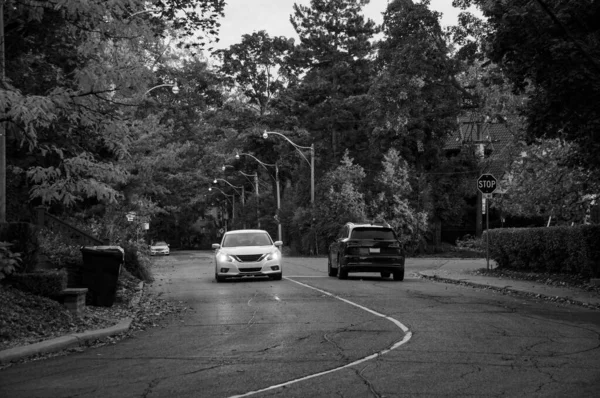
(114, 106)
(549, 51)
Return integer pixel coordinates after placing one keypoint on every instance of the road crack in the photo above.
(359, 373)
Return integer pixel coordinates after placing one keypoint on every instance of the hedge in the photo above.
(47, 283)
(571, 250)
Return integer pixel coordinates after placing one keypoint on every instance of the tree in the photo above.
(334, 52)
(339, 201)
(258, 66)
(75, 70)
(549, 52)
(541, 184)
(416, 97)
(392, 202)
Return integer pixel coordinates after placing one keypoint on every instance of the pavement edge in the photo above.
(70, 340)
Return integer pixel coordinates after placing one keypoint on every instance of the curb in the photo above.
(508, 289)
(60, 343)
(70, 340)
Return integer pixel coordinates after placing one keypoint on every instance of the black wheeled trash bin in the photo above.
(101, 269)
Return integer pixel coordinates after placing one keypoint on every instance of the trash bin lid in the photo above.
(104, 249)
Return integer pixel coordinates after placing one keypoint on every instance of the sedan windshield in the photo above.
(247, 239)
(373, 233)
(160, 244)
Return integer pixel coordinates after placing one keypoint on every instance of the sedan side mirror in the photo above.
(216, 246)
(278, 243)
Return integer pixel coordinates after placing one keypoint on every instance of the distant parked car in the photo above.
(247, 252)
(366, 247)
(159, 248)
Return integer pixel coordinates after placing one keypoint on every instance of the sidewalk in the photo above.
(70, 340)
(462, 271)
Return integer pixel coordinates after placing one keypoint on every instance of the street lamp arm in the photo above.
(246, 174)
(226, 195)
(298, 147)
(259, 161)
(230, 184)
(175, 88)
(263, 164)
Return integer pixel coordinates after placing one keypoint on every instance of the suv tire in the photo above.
(330, 270)
(399, 275)
(341, 272)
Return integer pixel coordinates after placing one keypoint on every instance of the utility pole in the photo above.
(257, 208)
(278, 202)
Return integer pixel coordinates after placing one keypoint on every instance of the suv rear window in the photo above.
(373, 233)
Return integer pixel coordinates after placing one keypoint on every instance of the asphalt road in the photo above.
(310, 335)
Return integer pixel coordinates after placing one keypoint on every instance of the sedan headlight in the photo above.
(223, 257)
(274, 255)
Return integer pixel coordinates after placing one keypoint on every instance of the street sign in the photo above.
(487, 183)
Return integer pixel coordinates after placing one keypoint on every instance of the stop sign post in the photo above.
(487, 184)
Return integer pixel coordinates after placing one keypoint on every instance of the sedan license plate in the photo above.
(374, 250)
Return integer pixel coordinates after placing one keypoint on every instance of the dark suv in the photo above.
(366, 247)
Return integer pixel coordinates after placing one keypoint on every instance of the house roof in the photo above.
(496, 137)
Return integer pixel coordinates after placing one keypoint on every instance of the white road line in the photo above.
(407, 336)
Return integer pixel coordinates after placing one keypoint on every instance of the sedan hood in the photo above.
(247, 250)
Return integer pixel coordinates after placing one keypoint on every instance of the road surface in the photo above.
(311, 335)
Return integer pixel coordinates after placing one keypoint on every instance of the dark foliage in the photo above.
(571, 250)
(46, 283)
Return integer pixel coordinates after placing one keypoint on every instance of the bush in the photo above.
(572, 250)
(57, 249)
(9, 261)
(469, 242)
(47, 283)
(137, 260)
(24, 237)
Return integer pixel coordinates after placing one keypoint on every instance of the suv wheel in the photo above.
(330, 270)
(385, 274)
(399, 275)
(341, 272)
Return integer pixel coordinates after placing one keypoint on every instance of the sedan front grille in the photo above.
(247, 258)
(250, 269)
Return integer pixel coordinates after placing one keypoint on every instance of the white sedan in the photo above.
(159, 248)
(247, 252)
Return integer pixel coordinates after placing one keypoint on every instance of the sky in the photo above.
(273, 16)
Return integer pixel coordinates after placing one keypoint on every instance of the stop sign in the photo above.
(487, 183)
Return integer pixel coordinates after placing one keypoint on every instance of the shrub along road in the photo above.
(412, 338)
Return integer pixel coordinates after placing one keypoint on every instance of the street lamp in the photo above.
(232, 202)
(311, 163)
(263, 164)
(242, 195)
(255, 185)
